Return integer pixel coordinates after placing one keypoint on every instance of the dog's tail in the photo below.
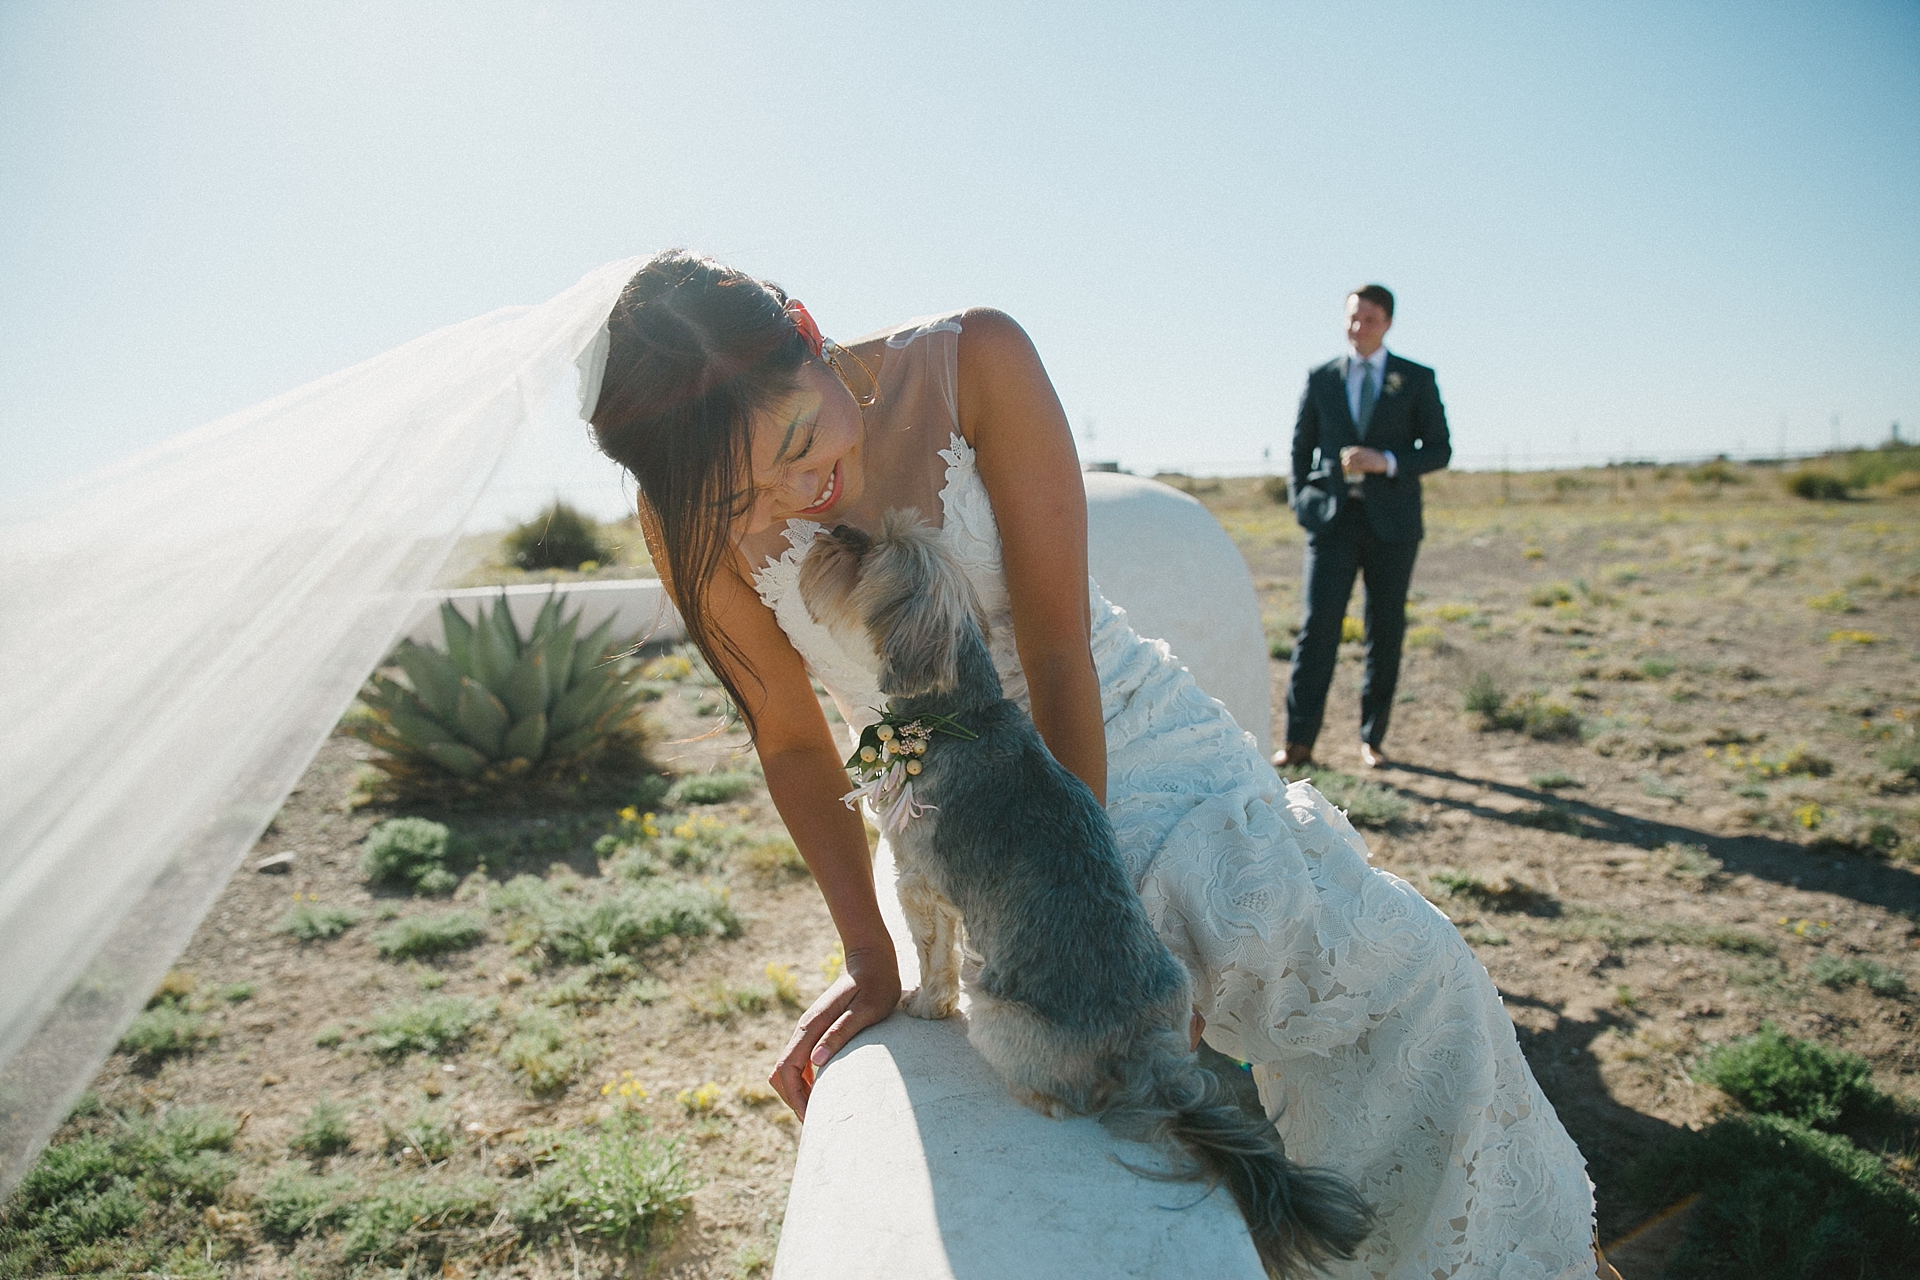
(1300, 1218)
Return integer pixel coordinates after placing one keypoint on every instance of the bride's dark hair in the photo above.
(695, 349)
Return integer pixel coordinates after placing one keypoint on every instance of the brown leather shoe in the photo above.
(1372, 756)
(1296, 755)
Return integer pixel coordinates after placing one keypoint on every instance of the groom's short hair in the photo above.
(1378, 294)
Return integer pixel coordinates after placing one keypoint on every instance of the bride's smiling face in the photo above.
(805, 453)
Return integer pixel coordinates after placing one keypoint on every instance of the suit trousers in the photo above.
(1347, 547)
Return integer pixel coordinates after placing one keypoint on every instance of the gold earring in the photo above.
(830, 351)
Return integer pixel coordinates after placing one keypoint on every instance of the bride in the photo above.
(1376, 1038)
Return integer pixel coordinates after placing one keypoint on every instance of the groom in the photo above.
(1370, 425)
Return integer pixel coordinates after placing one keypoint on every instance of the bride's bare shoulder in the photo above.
(993, 347)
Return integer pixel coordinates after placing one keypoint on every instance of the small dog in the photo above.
(1075, 1000)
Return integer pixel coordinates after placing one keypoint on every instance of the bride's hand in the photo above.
(864, 994)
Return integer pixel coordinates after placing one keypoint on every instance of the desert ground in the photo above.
(1654, 754)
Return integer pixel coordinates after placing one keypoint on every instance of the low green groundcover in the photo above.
(1782, 1200)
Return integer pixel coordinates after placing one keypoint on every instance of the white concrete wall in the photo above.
(640, 605)
(1160, 555)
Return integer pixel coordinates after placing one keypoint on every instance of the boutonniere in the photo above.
(1394, 383)
(887, 761)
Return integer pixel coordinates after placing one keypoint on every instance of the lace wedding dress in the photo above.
(1378, 1041)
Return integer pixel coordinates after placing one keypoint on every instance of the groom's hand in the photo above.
(1357, 457)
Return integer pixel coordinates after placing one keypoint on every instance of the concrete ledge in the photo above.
(639, 605)
(916, 1162)
(1160, 555)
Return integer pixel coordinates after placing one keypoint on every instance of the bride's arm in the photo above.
(1024, 451)
(806, 779)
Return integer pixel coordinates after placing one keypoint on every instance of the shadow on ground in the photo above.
(1763, 857)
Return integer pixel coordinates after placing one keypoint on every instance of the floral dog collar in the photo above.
(888, 760)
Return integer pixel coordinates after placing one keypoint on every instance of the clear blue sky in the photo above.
(1656, 229)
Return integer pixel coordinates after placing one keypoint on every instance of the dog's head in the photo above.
(902, 594)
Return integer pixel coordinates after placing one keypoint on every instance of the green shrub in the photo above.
(166, 1028)
(293, 1201)
(1425, 637)
(404, 1216)
(1548, 594)
(1869, 467)
(1848, 832)
(1553, 780)
(579, 929)
(694, 843)
(1620, 933)
(429, 935)
(718, 1002)
(75, 1209)
(774, 857)
(386, 1223)
(497, 714)
(433, 1025)
(1490, 891)
(544, 1052)
(1839, 600)
(1717, 471)
(1652, 784)
(411, 852)
(1483, 697)
(558, 538)
(427, 1133)
(1781, 1200)
(611, 1184)
(1544, 719)
(1777, 1074)
(1689, 863)
(1367, 804)
(711, 788)
(1815, 485)
(1833, 971)
(1551, 816)
(1903, 758)
(650, 791)
(1541, 718)
(310, 922)
(324, 1132)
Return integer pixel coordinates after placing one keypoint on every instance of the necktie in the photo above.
(1366, 399)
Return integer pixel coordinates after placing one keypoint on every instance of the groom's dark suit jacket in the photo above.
(1408, 421)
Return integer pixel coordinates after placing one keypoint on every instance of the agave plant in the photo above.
(495, 706)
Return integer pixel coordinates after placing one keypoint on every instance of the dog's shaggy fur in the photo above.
(1075, 1000)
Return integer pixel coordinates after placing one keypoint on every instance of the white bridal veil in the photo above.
(178, 634)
